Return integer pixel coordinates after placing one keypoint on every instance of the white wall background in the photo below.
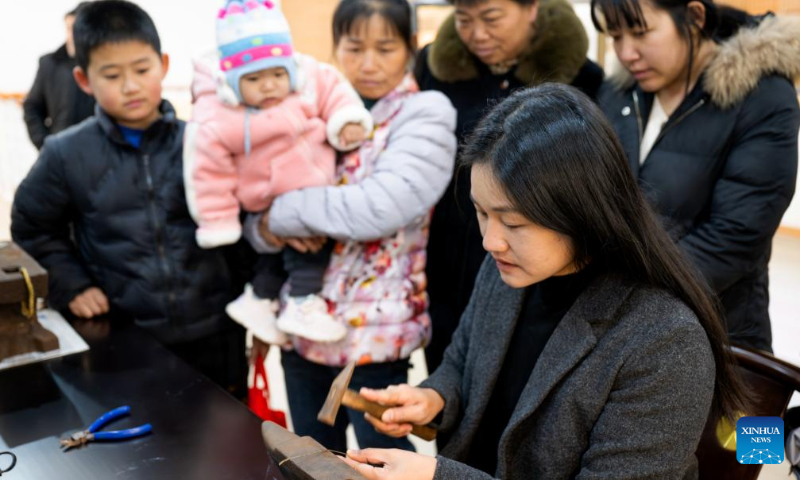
(29, 30)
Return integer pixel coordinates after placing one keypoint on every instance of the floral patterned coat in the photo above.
(379, 214)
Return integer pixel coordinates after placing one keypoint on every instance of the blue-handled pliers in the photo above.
(81, 438)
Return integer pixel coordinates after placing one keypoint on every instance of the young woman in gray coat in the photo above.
(589, 348)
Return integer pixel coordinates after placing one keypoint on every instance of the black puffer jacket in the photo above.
(723, 170)
(133, 235)
(55, 102)
(557, 53)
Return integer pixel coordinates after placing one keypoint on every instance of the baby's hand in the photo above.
(352, 133)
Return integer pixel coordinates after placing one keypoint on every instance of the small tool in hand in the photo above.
(341, 395)
(78, 439)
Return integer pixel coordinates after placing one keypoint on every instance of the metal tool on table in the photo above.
(341, 395)
(91, 434)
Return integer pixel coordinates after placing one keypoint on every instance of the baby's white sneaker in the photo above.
(257, 315)
(308, 317)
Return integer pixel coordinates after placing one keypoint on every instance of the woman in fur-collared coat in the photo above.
(711, 134)
(485, 51)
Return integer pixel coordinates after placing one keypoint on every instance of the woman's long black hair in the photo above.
(562, 166)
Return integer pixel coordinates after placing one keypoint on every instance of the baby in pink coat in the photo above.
(266, 121)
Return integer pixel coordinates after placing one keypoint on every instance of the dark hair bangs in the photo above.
(352, 15)
(111, 21)
(608, 15)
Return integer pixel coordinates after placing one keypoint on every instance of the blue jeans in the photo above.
(307, 386)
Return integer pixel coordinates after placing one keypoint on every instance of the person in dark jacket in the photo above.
(481, 54)
(711, 133)
(55, 102)
(103, 209)
(590, 347)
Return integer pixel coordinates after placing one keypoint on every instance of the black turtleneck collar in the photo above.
(559, 292)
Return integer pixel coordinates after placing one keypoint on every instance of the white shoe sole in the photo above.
(264, 333)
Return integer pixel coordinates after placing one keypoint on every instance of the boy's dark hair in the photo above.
(111, 21)
(350, 13)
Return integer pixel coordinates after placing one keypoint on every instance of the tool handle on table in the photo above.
(124, 434)
(355, 401)
(109, 417)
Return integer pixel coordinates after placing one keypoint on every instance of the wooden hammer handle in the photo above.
(355, 401)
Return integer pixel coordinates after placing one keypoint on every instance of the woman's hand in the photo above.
(258, 348)
(412, 405)
(266, 234)
(302, 245)
(391, 464)
(305, 245)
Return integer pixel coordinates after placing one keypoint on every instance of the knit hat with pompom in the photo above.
(253, 35)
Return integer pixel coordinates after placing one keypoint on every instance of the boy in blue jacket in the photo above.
(104, 211)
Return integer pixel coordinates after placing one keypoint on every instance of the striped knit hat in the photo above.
(253, 35)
